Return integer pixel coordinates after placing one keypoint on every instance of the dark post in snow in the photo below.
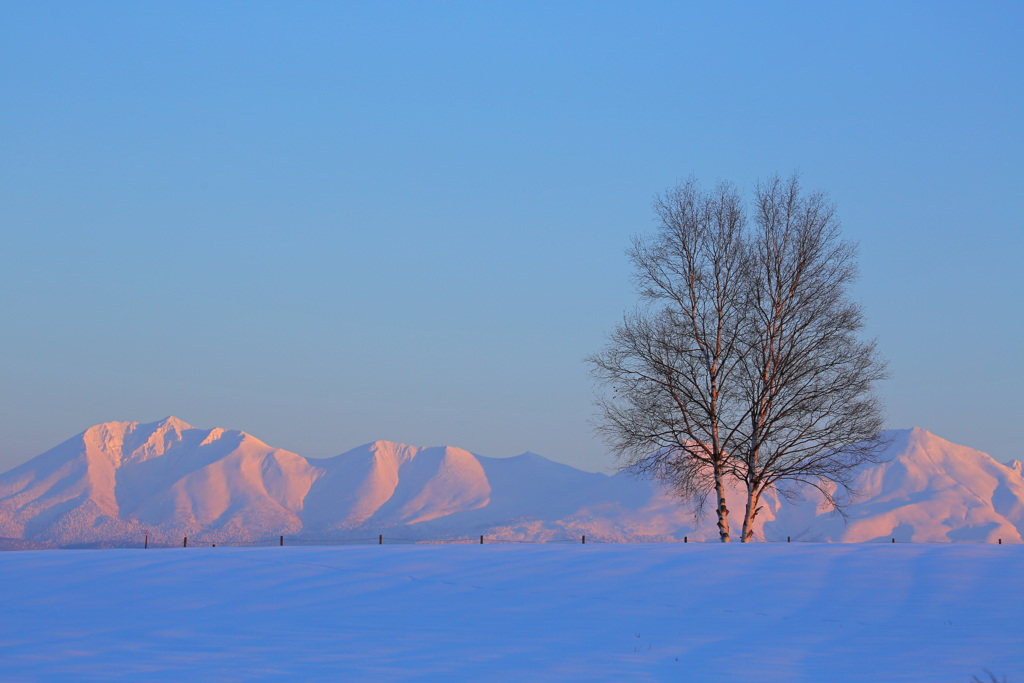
(893, 540)
(380, 540)
(584, 539)
(282, 541)
(145, 543)
(787, 539)
(686, 539)
(481, 539)
(184, 543)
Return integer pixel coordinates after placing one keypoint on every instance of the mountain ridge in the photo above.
(116, 480)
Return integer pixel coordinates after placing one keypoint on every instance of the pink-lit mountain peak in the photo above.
(118, 478)
(123, 442)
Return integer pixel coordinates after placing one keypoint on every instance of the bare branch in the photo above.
(744, 357)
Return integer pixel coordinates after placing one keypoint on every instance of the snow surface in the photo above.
(595, 612)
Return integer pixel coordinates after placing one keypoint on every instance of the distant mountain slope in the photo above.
(116, 480)
(928, 489)
(386, 484)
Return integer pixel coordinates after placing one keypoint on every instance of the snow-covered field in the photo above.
(619, 612)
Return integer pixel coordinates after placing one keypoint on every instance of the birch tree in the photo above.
(744, 357)
(806, 375)
(666, 405)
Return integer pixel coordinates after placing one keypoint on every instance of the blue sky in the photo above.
(327, 224)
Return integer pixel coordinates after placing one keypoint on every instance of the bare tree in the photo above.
(807, 377)
(668, 364)
(744, 357)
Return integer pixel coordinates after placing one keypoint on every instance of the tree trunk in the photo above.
(753, 498)
(723, 512)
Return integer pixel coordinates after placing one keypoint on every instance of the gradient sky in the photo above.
(328, 224)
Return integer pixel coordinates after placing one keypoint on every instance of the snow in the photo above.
(926, 489)
(514, 612)
(111, 483)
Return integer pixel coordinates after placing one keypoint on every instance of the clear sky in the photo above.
(327, 224)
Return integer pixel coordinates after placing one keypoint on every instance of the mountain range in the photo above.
(118, 480)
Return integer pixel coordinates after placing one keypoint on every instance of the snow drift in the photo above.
(116, 480)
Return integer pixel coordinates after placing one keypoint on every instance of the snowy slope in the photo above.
(595, 612)
(928, 489)
(386, 484)
(119, 478)
(116, 480)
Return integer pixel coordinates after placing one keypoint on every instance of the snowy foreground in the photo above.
(620, 612)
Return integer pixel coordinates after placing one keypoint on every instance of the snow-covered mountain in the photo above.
(926, 489)
(118, 479)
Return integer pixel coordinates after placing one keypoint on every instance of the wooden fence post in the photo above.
(584, 539)
(282, 541)
(481, 539)
(380, 540)
(787, 539)
(893, 540)
(185, 544)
